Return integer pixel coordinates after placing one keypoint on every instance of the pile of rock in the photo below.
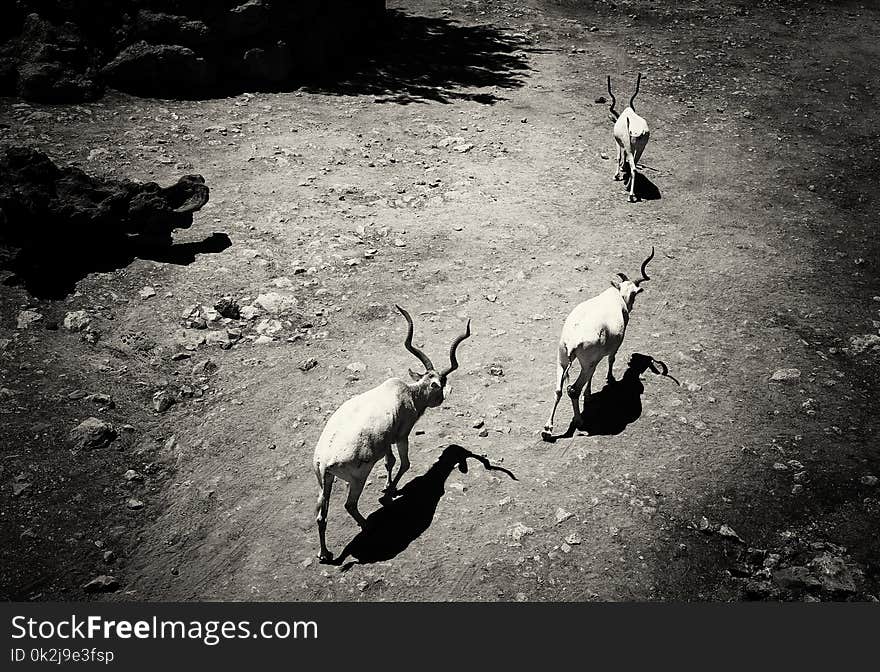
(68, 50)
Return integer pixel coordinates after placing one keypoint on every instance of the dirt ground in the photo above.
(467, 175)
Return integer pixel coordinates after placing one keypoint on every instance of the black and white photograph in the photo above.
(497, 301)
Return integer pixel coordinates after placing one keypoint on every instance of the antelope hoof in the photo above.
(572, 392)
(632, 198)
(547, 436)
(618, 177)
(325, 557)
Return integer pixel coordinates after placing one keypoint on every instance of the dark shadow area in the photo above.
(418, 59)
(645, 189)
(58, 224)
(619, 403)
(52, 273)
(402, 520)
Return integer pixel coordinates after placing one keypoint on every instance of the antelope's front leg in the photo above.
(389, 466)
(403, 449)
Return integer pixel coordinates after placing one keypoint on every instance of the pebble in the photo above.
(101, 584)
(76, 320)
(133, 503)
(92, 434)
(147, 293)
(562, 515)
(785, 374)
(26, 318)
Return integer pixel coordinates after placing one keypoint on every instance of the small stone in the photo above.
(132, 475)
(275, 303)
(92, 434)
(562, 515)
(797, 488)
(147, 293)
(77, 394)
(356, 367)
(496, 370)
(565, 548)
(163, 400)
(308, 364)
(134, 504)
(227, 307)
(26, 318)
(483, 433)
(102, 584)
(785, 374)
(518, 531)
(869, 480)
(730, 533)
(249, 312)
(574, 539)
(479, 423)
(603, 156)
(780, 466)
(109, 557)
(204, 368)
(76, 320)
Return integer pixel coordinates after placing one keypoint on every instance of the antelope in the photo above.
(631, 135)
(361, 431)
(593, 330)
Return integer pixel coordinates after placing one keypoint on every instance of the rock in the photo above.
(92, 434)
(758, 590)
(132, 475)
(227, 307)
(147, 292)
(54, 83)
(562, 515)
(102, 584)
(356, 367)
(77, 320)
(865, 343)
(160, 28)
(495, 370)
(834, 574)
(163, 400)
(794, 578)
(483, 433)
(264, 340)
(204, 368)
(247, 20)
(270, 64)
(869, 480)
(730, 533)
(249, 312)
(18, 487)
(159, 69)
(275, 303)
(109, 557)
(308, 364)
(225, 338)
(26, 318)
(780, 466)
(518, 531)
(573, 539)
(133, 503)
(99, 398)
(479, 423)
(269, 327)
(785, 374)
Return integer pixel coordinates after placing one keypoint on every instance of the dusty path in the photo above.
(481, 190)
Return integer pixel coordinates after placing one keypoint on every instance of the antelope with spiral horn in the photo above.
(631, 134)
(363, 429)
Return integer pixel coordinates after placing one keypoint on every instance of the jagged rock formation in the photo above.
(69, 50)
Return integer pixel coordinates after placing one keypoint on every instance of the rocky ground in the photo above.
(159, 419)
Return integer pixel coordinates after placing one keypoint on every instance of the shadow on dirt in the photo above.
(420, 59)
(619, 403)
(52, 273)
(401, 521)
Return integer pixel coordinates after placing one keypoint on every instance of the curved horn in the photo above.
(453, 362)
(622, 276)
(638, 81)
(423, 358)
(644, 265)
(612, 111)
(655, 363)
(489, 466)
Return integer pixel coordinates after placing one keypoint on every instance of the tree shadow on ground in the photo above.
(52, 272)
(392, 528)
(619, 403)
(419, 59)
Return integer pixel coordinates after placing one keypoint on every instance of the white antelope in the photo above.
(362, 430)
(593, 330)
(631, 135)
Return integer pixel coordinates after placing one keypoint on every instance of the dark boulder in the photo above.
(270, 64)
(54, 83)
(161, 28)
(159, 69)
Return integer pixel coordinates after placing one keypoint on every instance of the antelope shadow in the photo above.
(619, 403)
(645, 190)
(403, 519)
